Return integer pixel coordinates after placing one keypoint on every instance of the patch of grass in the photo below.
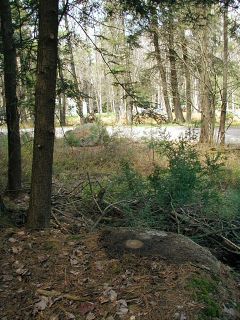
(71, 163)
(205, 292)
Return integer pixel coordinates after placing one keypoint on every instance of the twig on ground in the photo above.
(58, 223)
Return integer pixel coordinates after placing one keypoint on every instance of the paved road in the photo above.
(172, 132)
(141, 132)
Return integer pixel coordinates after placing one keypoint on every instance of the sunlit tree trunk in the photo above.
(62, 109)
(2, 93)
(221, 133)
(173, 74)
(188, 89)
(162, 71)
(206, 99)
(62, 96)
(79, 99)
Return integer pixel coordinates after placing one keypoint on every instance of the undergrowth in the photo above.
(190, 184)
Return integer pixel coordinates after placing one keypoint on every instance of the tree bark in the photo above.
(188, 88)
(221, 133)
(41, 183)
(207, 98)
(61, 96)
(74, 73)
(162, 73)
(62, 109)
(10, 69)
(174, 78)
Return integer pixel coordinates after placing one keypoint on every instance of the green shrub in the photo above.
(90, 134)
(72, 140)
(189, 184)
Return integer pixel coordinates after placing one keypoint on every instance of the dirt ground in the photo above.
(53, 275)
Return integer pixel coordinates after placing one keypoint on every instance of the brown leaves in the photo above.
(86, 307)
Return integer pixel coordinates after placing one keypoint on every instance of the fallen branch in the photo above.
(231, 244)
(58, 223)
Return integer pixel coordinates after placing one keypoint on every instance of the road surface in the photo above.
(144, 132)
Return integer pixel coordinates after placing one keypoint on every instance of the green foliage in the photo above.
(118, 69)
(88, 135)
(72, 140)
(189, 183)
(181, 178)
(204, 293)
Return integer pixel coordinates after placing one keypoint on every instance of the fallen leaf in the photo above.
(86, 307)
(42, 258)
(75, 273)
(73, 261)
(70, 316)
(103, 299)
(90, 316)
(113, 295)
(21, 233)
(41, 305)
(22, 271)
(16, 249)
(122, 308)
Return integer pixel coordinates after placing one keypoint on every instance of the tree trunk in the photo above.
(221, 133)
(74, 73)
(2, 93)
(61, 96)
(62, 109)
(173, 73)
(163, 75)
(10, 67)
(188, 88)
(41, 184)
(205, 108)
(206, 99)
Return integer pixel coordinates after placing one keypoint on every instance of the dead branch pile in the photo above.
(149, 114)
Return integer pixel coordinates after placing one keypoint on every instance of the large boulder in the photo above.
(171, 247)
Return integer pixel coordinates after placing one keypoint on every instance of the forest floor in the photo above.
(56, 275)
